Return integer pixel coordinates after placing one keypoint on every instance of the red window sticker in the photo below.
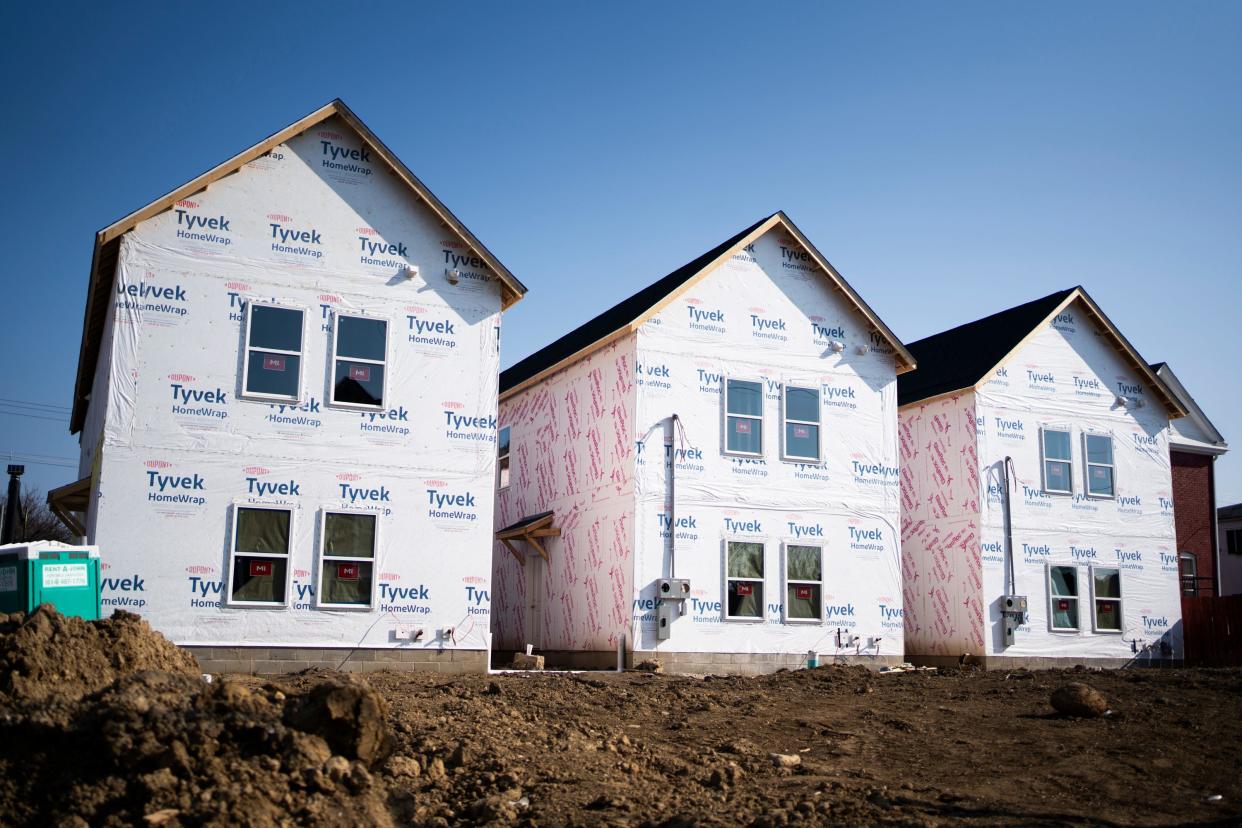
(273, 363)
(1107, 607)
(745, 589)
(360, 373)
(1063, 606)
(801, 432)
(260, 569)
(803, 593)
(347, 572)
(742, 427)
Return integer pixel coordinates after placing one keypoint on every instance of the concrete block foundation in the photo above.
(277, 660)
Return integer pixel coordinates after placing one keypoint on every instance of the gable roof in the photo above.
(966, 356)
(1193, 411)
(107, 240)
(627, 315)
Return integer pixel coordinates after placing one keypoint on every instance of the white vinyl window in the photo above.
(1106, 598)
(1188, 570)
(804, 583)
(360, 349)
(349, 540)
(1098, 451)
(744, 580)
(1055, 446)
(743, 410)
(259, 556)
(1063, 598)
(272, 367)
(801, 426)
(502, 458)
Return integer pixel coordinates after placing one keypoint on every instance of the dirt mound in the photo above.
(46, 654)
(169, 749)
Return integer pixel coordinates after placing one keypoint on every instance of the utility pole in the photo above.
(13, 505)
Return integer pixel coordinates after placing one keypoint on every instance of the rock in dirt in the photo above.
(522, 661)
(1077, 699)
(785, 760)
(348, 715)
(46, 654)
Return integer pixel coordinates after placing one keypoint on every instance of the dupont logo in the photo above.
(348, 477)
(291, 240)
(469, 428)
(338, 158)
(193, 226)
(257, 487)
(195, 401)
(166, 486)
(376, 252)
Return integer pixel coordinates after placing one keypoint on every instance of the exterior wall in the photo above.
(1069, 375)
(321, 225)
(767, 314)
(941, 556)
(278, 660)
(571, 452)
(1194, 505)
(1230, 565)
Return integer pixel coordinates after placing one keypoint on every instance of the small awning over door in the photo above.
(70, 502)
(529, 529)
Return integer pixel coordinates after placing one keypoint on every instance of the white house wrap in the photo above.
(291, 427)
(781, 511)
(1084, 424)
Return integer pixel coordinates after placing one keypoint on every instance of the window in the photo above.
(347, 562)
(1099, 453)
(273, 365)
(801, 423)
(744, 580)
(744, 417)
(502, 458)
(259, 563)
(1058, 466)
(804, 581)
(1106, 595)
(360, 345)
(1063, 597)
(1233, 541)
(1188, 568)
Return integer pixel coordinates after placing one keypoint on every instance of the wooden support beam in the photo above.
(543, 553)
(521, 558)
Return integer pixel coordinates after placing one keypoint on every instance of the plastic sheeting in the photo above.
(590, 444)
(319, 225)
(1065, 377)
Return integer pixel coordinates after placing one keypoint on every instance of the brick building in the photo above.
(1194, 445)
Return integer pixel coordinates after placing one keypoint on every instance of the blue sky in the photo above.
(950, 159)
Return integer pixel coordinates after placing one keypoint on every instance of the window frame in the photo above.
(1194, 573)
(1076, 598)
(324, 558)
(762, 580)
(334, 357)
(786, 422)
(503, 483)
(1095, 627)
(246, 394)
(787, 582)
(1044, 460)
(227, 591)
(1087, 465)
(1233, 541)
(725, 415)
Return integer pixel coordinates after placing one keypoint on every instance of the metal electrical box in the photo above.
(672, 594)
(67, 577)
(1013, 614)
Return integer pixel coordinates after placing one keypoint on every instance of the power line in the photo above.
(61, 419)
(32, 404)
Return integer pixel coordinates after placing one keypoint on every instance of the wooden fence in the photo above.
(1212, 629)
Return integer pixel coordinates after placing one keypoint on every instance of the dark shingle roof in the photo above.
(617, 316)
(960, 357)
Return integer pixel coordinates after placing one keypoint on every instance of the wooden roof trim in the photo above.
(1119, 342)
(905, 360)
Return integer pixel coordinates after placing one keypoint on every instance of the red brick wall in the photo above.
(1193, 503)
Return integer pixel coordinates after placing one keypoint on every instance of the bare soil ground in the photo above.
(156, 745)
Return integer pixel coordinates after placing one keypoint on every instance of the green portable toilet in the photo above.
(47, 572)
